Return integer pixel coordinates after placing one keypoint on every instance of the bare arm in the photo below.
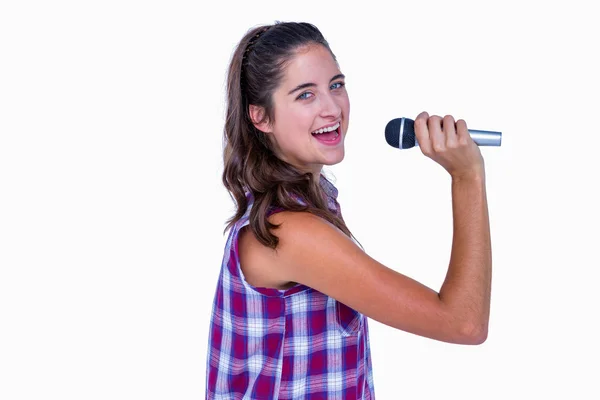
(467, 286)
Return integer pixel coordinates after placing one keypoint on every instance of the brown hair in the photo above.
(250, 164)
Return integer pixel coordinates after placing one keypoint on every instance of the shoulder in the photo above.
(302, 231)
(299, 222)
(302, 236)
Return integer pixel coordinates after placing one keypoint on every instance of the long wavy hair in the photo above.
(250, 164)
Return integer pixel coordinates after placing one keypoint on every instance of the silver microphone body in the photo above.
(486, 138)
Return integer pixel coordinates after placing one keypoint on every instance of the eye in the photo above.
(304, 96)
(338, 85)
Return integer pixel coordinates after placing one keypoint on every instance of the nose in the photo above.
(330, 107)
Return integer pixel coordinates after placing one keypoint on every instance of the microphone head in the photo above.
(400, 133)
(392, 132)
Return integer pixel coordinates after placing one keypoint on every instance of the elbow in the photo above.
(476, 339)
(473, 334)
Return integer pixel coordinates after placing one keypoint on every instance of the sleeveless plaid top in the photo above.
(296, 343)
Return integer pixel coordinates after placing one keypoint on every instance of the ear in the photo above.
(257, 115)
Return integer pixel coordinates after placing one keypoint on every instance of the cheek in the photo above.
(292, 133)
(299, 123)
(346, 104)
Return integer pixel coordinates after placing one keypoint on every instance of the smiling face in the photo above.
(311, 109)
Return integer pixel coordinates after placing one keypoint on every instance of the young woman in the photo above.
(289, 318)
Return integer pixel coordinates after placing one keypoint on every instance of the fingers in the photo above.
(448, 143)
(462, 133)
(442, 132)
(435, 134)
(422, 132)
(450, 132)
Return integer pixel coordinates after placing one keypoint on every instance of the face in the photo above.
(311, 110)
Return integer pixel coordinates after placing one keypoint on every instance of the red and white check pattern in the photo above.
(284, 344)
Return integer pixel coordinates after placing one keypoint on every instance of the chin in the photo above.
(338, 158)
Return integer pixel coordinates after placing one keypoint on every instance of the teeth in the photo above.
(331, 128)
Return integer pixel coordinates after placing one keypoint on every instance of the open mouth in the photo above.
(328, 135)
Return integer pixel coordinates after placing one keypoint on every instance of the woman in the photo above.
(290, 312)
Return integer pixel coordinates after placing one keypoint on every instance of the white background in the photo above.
(112, 208)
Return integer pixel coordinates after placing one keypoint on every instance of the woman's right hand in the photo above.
(449, 144)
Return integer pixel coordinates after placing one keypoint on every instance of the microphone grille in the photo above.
(408, 138)
(392, 132)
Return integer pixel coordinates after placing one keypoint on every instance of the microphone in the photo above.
(400, 133)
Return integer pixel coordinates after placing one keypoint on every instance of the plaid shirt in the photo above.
(284, 344)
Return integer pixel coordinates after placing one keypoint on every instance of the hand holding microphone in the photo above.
(400, 133)
(445, 141)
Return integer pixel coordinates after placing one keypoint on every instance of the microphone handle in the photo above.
(481, 138)
(486, 138)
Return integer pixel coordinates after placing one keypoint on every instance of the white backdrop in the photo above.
(112, 208)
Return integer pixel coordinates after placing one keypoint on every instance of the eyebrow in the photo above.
(310, 84)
